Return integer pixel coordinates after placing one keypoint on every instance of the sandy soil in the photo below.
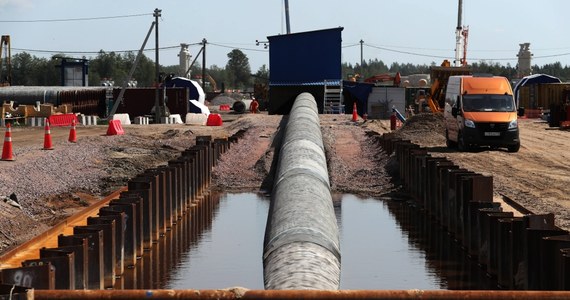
(50, 185)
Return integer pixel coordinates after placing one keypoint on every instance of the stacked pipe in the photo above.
(98, 255)
(521, 250)
(301, 247)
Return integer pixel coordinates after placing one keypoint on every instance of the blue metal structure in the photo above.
(301, 62)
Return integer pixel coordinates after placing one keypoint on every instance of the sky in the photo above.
(403, 31)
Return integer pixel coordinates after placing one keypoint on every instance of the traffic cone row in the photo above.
(7, 150)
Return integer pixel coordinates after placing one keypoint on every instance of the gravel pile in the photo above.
(49, 184)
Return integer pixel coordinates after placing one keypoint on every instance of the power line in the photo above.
(74, 19)
(470, 50)
(95, 52)
(350, 45)
(239, 48)
(472, 59)
(406, 52)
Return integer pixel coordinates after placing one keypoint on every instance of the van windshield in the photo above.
(487, 102)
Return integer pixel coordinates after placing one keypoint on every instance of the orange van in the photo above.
(480, 111)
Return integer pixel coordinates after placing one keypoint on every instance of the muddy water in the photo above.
(229, 253)
(385, 244)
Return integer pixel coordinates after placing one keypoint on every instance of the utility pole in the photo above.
(157, 114)
(361, 54)
(287, 17)
(204, 42)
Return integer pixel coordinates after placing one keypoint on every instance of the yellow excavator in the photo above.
(439, 76)
(213, 84)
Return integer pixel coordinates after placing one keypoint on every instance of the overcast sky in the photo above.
(404, 31)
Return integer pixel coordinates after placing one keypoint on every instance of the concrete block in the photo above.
(141, 120)
(88, 120)
(196, 119)
(124, 118)
(35, 121)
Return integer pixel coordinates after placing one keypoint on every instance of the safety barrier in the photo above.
(115, 128)
(196, 119)
(62, 120)
(112, 242)
(124, 118)
(521, 250)
(214, 120)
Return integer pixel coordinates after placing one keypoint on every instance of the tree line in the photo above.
(236, 74)
(31, 70)
(373, 67)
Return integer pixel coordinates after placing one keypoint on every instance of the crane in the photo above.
(5, 54)
(440, 74)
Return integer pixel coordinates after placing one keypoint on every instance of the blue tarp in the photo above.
(533, 79)
(360, 90)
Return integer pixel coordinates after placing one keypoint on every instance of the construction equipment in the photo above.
(213, 84)
(5, 54)
(439, 77)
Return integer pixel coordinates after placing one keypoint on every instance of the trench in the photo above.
(385, 243)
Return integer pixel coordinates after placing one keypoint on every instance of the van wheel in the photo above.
(514, 148)
(461, 143)
(449, 143)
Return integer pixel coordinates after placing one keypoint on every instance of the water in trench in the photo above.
(385, 244)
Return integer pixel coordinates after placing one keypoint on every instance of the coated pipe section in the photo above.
(301, 247)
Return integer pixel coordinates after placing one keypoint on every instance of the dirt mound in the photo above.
(223, 99)
(426, 129)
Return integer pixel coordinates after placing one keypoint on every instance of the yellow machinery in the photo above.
(212, 83)
(439, 76)
(5, 54)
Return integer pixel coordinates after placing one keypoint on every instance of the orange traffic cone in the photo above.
(354, 113)
(47, 137)
(7, 153)
(72, 133)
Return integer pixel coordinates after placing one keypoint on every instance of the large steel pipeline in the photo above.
(29, 95)
(301, 247)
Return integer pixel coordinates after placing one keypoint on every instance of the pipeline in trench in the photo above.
(196, 163)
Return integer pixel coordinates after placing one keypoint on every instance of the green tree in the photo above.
(238, 69)
(262, 75)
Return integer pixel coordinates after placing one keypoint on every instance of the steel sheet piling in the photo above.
(107, 213)
(81, 247)
(142, 188)
(96, 272)
(63, 262)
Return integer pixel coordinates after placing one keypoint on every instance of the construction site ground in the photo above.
(52, 184)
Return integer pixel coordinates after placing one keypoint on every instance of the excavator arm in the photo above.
(433, 104)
